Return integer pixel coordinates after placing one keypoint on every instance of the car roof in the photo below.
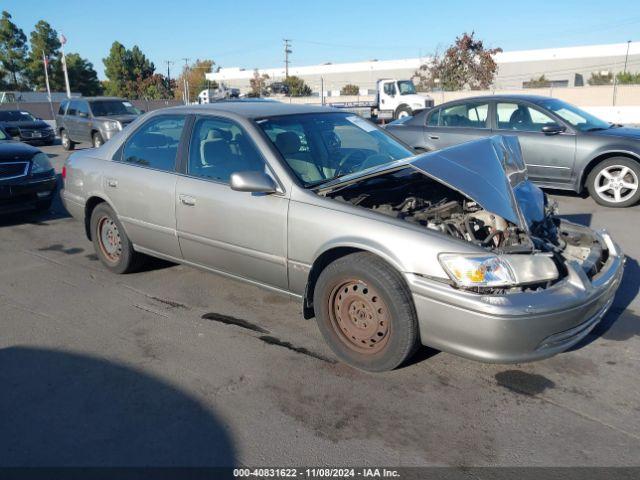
(89, 99)
(481, 98)
(253, 108)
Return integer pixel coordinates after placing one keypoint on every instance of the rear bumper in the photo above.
(516, 327)
(25, 194)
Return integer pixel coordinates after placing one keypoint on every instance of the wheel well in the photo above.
(593, 163)
(89, 207)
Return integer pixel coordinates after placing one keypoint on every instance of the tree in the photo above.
(195, 76)
(258, 84)
(82, 77)
(600, 78)
(153, 87)
(628, 78)
(44, 39)
(350, 89)
(117, 69)
(13, 48)
(297, 87)
(140, 66)
(541, 82)
(465, 65)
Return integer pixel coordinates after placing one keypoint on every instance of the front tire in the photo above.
(97, 140)
(365, 313)
(615, 182)
(110, 241)
(67, 144)
(403, 111)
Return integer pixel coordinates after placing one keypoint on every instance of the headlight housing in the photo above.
(112, 125)
(494, 271)
(40, 163)
(477, 270)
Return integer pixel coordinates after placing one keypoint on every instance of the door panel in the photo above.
(549, 158)
(239, 233)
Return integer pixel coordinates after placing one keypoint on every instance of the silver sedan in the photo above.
(455, 249)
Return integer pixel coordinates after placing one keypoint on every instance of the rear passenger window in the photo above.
(63, 107)
(155, 144)
(219, 148)
(465, 115)
(73, 108)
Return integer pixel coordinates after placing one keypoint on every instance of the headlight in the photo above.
(499, 271)
(40, 163)
(112, 125)
(417, 105)
(477, 270)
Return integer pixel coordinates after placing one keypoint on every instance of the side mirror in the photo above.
(553, 129)
(254, 182)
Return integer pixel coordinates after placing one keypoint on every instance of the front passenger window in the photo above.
(219, 147)
(155, 144)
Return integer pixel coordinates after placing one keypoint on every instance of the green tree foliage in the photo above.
(350, 89)
(13, 49)
(82, 77)
(297, 87)
(258, 84)
(628, 78)
(195, 75)
(465, 65)
(131, 74)
(540, 82)
(44, 39)
(117, 69)
(599, 78)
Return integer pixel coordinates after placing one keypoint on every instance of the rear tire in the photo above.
(110, 241)
(615, 182)
(365, 313)
(67, 144)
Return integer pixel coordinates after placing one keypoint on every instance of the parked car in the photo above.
(26, 127)
(563, 146)
(453, 249)
(93, 119)
(27, 178)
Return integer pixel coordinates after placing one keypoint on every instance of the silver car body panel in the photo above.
(275, 240)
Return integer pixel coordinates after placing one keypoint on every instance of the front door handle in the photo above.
(188, 200)
(434, 137)
(112, 182)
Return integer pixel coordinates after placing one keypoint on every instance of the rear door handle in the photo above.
(434, 137)
(188, 200)
(112, 182)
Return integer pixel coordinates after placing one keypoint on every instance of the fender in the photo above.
(608, 151)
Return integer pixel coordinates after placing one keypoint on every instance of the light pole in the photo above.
(626, 57)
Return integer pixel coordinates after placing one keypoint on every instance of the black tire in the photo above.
(123, 258)
(402, 110)
(613, 167)
(67, 144)
(373, 275)
(96, 140)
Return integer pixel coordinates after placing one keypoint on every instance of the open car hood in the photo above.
(491, 172)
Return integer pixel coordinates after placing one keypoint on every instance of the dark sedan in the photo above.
(563, 146)
(27, 178)
(26, 127)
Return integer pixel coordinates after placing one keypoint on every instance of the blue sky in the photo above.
(249, 33)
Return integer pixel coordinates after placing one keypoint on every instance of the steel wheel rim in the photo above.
(359, 316)
(96, 142)
(109, 239)
(616, 183)
(65, 139)
(403, 114)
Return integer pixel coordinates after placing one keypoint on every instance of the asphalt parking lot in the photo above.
(174, 366)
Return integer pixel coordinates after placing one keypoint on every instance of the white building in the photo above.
(564, 67)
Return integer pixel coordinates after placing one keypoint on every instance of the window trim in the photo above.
(496, 125)
(184, 167)
(119, 155)
(487, 122)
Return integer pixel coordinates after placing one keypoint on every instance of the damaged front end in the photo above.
(479, 193)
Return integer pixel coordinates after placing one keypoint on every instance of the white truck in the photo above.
(394, 99)
(211, 95)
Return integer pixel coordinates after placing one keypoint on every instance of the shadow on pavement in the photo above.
(67, 409)
(581, 218)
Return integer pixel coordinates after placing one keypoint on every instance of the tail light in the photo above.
(64, 172)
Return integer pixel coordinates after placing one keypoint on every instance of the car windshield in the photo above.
(406, 87)
(106, 108)
(320, 147)
(577, 118)
(16, 116)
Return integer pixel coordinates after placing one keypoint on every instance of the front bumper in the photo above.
(516, 327)
(37, 136)
(25, 193)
